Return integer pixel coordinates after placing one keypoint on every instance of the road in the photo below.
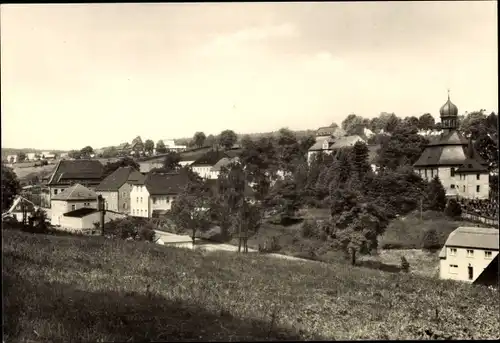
(184, 241)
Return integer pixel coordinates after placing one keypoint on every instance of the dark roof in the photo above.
(447, 149)
(471, 166)
(210, 158)
(81, 212)
(325, 131)
(120, 176)
(67, 170)
(165, 183)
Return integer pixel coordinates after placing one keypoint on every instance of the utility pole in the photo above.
(421, 205)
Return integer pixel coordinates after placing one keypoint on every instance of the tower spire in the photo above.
(448, 94)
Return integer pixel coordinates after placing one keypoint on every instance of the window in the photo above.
(425, 172)
(452, 186)
(487, 254)
(432, 172)
(453, 269)
(478, 176)
(73, 207)
(137, 199)
(124, 205)
(124, 194)
(452, 172)
(464, 189)
(453, 251)
(62, 189)
(167, 199)
(141, 200)
(471, 272)
(470, 253)
(478, 188)
(55, 191)
(154, 200)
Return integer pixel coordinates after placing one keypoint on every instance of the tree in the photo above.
(438, 127)
(430, 240)
(288, 149)
(285, 198)
(334, 125)
(190, 210)
(21, 156)
(353, 124)
(405, 266)
(391, 122)
(453, 209)
(210, 140)
(411, 121)
(86, 151)
(149, 146)
(436, 195)
(110, 152)
(426, 122)
(359, 161)
(227, 138)
(357, 228)
(199, 139)
(403, 147)
(160, 147)
(172, 161)
(10, 187)
(75, 154)
(137, 146)
(111, 167)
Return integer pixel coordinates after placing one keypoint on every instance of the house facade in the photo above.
(156, 193)
(467, 253)
(73, 198)
(203, 165)
(16, 210)
(85, 219)
(115, 188)
(69, 172)
(454, 160)
(222, 163)
(327, 143)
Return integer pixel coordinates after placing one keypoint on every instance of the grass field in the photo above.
(66, 288)
(29, 172)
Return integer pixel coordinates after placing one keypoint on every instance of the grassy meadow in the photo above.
(77, 288)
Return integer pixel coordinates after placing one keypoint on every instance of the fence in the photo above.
(478, 218)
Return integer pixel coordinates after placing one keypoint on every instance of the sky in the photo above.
(101, 74)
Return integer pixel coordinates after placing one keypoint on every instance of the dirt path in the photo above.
(184, 241)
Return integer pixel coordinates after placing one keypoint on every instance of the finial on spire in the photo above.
(448, 94)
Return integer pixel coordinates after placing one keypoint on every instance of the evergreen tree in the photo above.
(436, 195)
(453, 209)
(359, 160)
(430, 240)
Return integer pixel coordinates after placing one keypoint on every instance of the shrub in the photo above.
(270, 245)
(430, 240)
(405, 265)
(309, 229)
(453, 209)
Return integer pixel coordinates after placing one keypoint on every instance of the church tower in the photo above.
(449, 116)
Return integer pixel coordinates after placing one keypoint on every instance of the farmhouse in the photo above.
(454, 160)
(115, 189)
(72, 198)
(16, 210)
(468, 253)
(203, 165)
(222, 163)
(155, 193)
(69, 172)
(327, 143)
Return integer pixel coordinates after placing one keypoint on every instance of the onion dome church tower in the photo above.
(454, 160)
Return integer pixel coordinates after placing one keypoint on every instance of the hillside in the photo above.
(14, 151)
(59, 288)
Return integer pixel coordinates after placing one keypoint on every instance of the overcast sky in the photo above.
(79, 74)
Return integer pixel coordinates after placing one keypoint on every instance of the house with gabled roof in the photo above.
(115, 188)
(156, 193)
(203, 165)
(72, 198)
(222, 163)
(66, 173)
(329, 144)
(468, 253)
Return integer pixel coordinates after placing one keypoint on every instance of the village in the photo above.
(250, 172)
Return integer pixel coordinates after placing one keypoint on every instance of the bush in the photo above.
(430, 240)
(453, 209)
(405, 265)
(309, 229)
(271, 245)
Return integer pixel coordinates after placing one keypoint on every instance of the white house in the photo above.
(84, 219)
(12, 158)
(203, 165)
(72, 198)
(155, 193)
(222, 163)
(329, 144)
(16, 210)
(32, 156)
(467, 253)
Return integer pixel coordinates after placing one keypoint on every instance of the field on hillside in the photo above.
(67, 288)
(29, 172)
